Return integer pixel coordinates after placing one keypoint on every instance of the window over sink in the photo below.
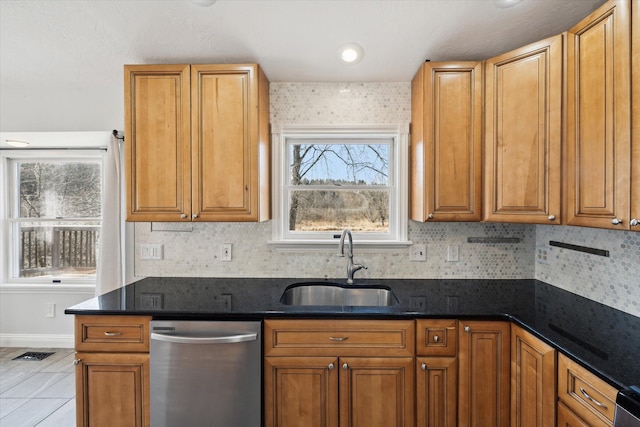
(328, 178)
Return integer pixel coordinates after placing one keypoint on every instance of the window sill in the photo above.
(326, 245)
(38, 288)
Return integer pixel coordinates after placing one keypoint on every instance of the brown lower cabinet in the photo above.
(112, 371)
(112, 389)
(484, 370)
(329, 373)
(583, 396)
(533, 380)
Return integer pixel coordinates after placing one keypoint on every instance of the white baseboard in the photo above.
(36, 340)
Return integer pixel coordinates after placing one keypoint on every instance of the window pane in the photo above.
(336, 164)
(60, 190)
(68, 250)
(320, 210)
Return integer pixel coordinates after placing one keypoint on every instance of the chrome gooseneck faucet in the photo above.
(351, 267)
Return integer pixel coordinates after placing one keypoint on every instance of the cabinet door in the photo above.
(523, 134)
(533, 380)
(158, 153)
(568, 418)
(446, 142)
(301, 391)
(484, 371)
(376, 392)
(598, 118)
(112, 389)
(225, 138)
(436, 391)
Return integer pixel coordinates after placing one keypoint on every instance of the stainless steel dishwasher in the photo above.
(205, 374)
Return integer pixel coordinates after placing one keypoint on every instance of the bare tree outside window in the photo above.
(339, 185)
(58, 224)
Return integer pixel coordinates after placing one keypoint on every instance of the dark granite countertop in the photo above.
(603, 339)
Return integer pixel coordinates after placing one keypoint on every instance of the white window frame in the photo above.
(283, 239)
(8, 181)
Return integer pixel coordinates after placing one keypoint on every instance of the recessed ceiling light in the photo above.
(204, 3)
(351, 53)
(16, 143)
(506, 3)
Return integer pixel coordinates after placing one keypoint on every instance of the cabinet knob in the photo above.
(345, 366)
(77, 361)
(331, 366)
(194, 216)
(616, 221)
(430, 216)
(423, 366)
(467, 329)
(183, 216)
(436, 338)
(634, 222)
(552, 217)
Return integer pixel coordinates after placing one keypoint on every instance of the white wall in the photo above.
(23, 308)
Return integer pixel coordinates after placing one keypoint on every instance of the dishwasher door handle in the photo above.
(186, 339)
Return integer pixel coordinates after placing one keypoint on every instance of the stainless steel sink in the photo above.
(336, 294)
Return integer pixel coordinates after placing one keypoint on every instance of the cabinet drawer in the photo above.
(586, 394)
(339, 337)
(112, 333)
(436, 337)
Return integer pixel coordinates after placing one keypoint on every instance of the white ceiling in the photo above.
(61, 60)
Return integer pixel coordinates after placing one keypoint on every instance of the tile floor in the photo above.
(37, 393)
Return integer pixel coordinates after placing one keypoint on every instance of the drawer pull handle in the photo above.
(436, 338)
(112, 334)
(338, 339)
(586, 395)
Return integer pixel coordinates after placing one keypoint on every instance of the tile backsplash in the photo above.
(613, 280)
(196, 253)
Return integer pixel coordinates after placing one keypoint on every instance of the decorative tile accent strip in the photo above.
(493, 240)
(579, 248)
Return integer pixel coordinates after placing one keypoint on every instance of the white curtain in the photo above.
(109, 275)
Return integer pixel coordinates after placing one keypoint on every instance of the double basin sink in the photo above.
(337, 294)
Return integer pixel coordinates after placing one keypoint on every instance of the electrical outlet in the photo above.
(543, 254)
(151, 252)
(418, 253)
(225, 252)
(51, 309)
(453, 254)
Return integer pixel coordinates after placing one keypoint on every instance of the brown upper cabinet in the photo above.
(198, 143)
(598, 168)
(523, 134)
(446, 142)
